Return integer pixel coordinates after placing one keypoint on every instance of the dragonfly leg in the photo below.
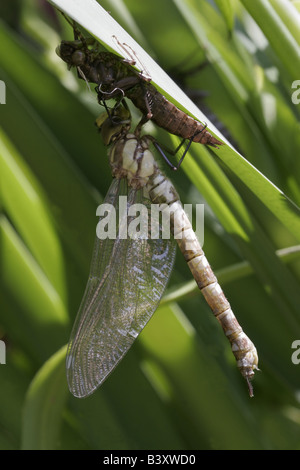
(132, 59)
(107, 95)
(199, 132)
(77, 33)
(162, 149)
(115, 116)
(72, 23)
(120, 88)
(147, 98)
(107, 109)
(191, 139)
(188, 145)
(104, 95)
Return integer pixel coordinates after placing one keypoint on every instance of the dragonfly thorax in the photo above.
(131, 158)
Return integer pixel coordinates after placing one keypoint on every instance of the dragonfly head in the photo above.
(71, 52)
(113, 125)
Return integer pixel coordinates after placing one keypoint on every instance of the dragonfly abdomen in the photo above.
(242, 347)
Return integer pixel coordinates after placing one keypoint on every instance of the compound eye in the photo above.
(78, 58)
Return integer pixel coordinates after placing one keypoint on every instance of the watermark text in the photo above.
(296, 354)
(2, 352)
(2, 92)
(151, 221)
(296, 93)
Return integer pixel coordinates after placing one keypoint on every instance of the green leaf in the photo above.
(44, 404)
(287, 12)
(180, 367)
(226, 7)
(44, 313)
(279, 31)
(29, 211)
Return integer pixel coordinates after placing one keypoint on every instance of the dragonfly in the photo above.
(116, 78)
(129, 275)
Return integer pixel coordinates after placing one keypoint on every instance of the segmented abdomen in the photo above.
(166, 115)
(162, 191)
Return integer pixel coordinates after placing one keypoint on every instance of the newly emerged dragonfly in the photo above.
(116, 78)
(129, 275)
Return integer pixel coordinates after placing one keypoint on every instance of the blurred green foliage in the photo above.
(178, 387)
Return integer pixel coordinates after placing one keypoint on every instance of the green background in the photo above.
(178, 387)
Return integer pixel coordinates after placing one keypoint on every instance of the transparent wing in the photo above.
(126, 282)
